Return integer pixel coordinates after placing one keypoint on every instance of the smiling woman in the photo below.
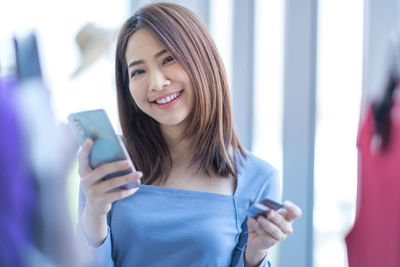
(198, 66)
(197, 180)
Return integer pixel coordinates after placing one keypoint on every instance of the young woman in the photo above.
(197, 181)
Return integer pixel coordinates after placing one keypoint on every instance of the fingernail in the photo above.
(140, 174)
(87, 143)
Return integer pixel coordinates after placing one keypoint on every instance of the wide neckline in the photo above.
(172, 190)
(178, 191)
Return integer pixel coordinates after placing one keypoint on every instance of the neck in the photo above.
(181, 149)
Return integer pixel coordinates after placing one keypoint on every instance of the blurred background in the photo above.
(300, 73)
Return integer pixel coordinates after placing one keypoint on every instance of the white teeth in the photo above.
(168, 98)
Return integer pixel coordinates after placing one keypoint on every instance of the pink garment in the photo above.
(375, 237)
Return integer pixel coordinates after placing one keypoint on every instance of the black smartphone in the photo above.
(261, 207)
(107, 145)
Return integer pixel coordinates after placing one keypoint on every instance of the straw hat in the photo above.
(93, 42)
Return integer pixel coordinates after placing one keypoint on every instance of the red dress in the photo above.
(375, 237)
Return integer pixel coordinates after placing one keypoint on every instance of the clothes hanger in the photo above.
(381, 109)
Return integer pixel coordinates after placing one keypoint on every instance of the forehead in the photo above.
(142, 45)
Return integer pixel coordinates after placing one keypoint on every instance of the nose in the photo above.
(158, 81)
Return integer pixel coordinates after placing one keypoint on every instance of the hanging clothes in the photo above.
(375, 237)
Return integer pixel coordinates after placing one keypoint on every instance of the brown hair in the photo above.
(211, 123)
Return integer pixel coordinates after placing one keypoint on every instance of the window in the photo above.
(339, 78)
(268, 86)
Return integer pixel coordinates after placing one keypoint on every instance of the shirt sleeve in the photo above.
(269, 189)
(97, 256)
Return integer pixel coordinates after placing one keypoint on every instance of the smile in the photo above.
(168, 99)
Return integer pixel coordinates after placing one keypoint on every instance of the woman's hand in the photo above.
(99, 193)
(264, 232)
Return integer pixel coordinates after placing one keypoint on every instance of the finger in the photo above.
(250, 224)
(271, 229)
(255, 226)
(291, 212)
(265, 236)
(83, 158)
(112, 167)
(120, 194)
(96, 176)
(117, 182)
(277, 219)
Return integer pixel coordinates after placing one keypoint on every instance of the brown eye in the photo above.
(136, 72)
(167, 60)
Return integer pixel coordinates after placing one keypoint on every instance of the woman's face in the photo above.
(159, 85)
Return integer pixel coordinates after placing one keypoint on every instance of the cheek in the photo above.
(137, 94)
(184, 77)
(190, 91)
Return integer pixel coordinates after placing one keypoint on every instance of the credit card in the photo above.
(261, 208)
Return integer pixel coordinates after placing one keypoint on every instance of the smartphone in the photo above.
(107, 145)
(260, 208)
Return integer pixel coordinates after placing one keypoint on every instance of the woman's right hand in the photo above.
(99, 193)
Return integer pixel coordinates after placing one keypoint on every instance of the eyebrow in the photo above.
(137, 62)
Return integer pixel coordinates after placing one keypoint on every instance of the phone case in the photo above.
(107, 146)
(261, 207)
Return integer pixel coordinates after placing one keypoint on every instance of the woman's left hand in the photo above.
(264, 232)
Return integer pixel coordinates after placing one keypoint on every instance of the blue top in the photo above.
(160, 226)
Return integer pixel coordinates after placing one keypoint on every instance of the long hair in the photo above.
(211, 124)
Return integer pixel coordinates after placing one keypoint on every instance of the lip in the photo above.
(165, 96)
(169, 104)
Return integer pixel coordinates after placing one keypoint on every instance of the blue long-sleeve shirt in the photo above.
(160, 226)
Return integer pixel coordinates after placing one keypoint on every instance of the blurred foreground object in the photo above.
(375, 237)
(39, 155)
(17, 193)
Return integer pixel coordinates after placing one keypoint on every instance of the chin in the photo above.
(170, 123)
(173, 122)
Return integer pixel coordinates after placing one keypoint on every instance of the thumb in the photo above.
(83, 158)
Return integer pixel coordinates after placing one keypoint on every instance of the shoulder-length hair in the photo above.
(211, 124)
